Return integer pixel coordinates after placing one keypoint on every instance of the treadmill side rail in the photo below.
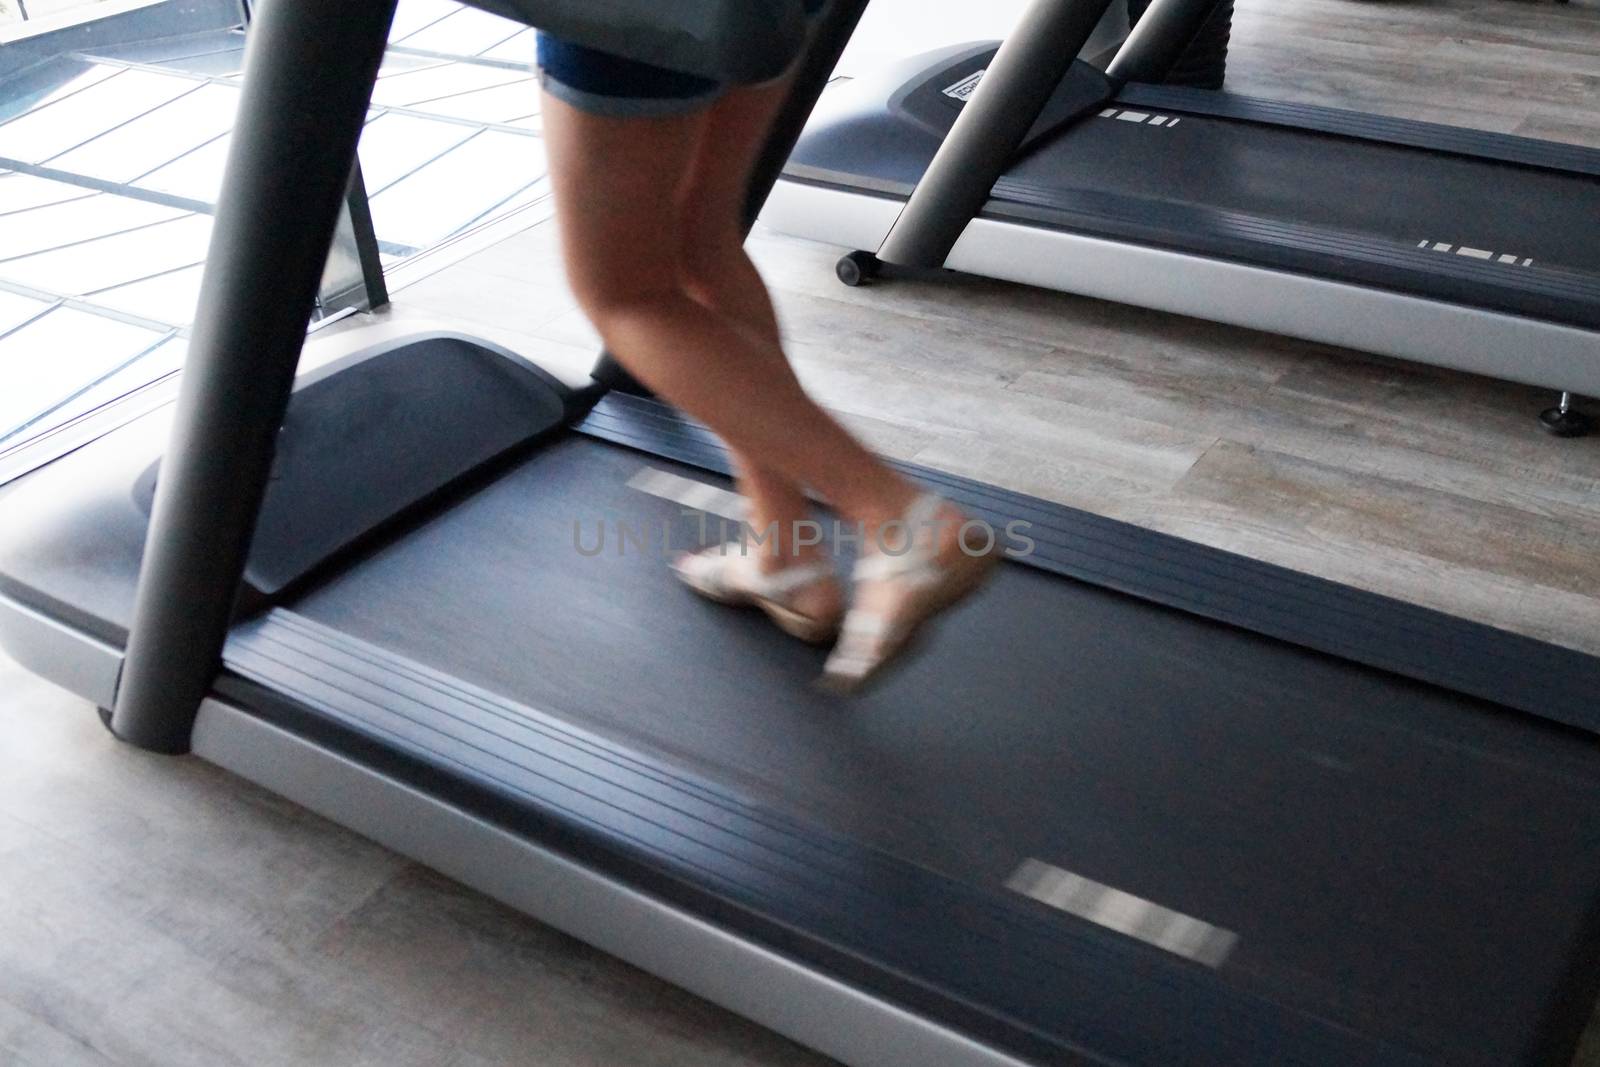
(58, 653)
(1158, 42)
(310, 68)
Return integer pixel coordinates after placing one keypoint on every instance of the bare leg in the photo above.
(649, 213)
(718, 274)
(617, 183)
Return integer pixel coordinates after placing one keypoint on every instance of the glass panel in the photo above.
(19, 192)
(518, 49)
(453, 191)
(69, 76)
(197, 175)
(413, 87)
(16, 309)
(50, 130)
(47, 361)
(393, 146)
(465, 33)
(153, 140)
(503, 103)
(169, 297)
(413, 15)
(99, 215)
(165, 359)
(116, 260)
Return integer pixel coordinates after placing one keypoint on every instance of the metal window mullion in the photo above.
(73, 303)
(100, 185)
(358, 206)
(153, 68)
(480, 60)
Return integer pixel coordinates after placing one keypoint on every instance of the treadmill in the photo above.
(1433, 243)
(1149, 803)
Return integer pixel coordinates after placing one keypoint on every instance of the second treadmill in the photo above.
(1444, 245)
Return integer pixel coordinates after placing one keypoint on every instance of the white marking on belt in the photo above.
(1133, 916)
(1477, 253)
(689, 493)
(1133, 116)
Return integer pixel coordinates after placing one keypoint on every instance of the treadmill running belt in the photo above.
(1381, 849)
(1304, 200)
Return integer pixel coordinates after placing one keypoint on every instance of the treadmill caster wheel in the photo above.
(1564, 420)
(857, 268)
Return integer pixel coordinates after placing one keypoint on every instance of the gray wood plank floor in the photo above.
(157, 911)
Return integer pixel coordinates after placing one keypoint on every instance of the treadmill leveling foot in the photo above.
(1564, 420)
(857, 268)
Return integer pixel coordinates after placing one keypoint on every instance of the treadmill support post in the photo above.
(1164, 33)
(1014, 90)
(310, 67)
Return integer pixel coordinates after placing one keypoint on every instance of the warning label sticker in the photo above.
(963, 89)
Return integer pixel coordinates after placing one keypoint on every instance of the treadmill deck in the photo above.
(1388, 861)
(1352, 830)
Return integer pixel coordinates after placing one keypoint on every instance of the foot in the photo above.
(801, 595)
(899, 591)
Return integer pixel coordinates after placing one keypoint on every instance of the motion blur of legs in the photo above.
(651, 214)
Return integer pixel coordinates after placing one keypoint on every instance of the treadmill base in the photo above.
(811, 1008)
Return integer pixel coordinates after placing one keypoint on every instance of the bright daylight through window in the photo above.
(115, 118)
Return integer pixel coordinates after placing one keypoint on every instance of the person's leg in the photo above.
(616, 184)
(718, 273)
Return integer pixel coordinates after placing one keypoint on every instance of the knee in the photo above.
(611, 291)
(714, 266)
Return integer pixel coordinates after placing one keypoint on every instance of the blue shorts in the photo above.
(604, 84)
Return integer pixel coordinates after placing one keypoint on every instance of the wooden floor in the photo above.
(155, 911)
